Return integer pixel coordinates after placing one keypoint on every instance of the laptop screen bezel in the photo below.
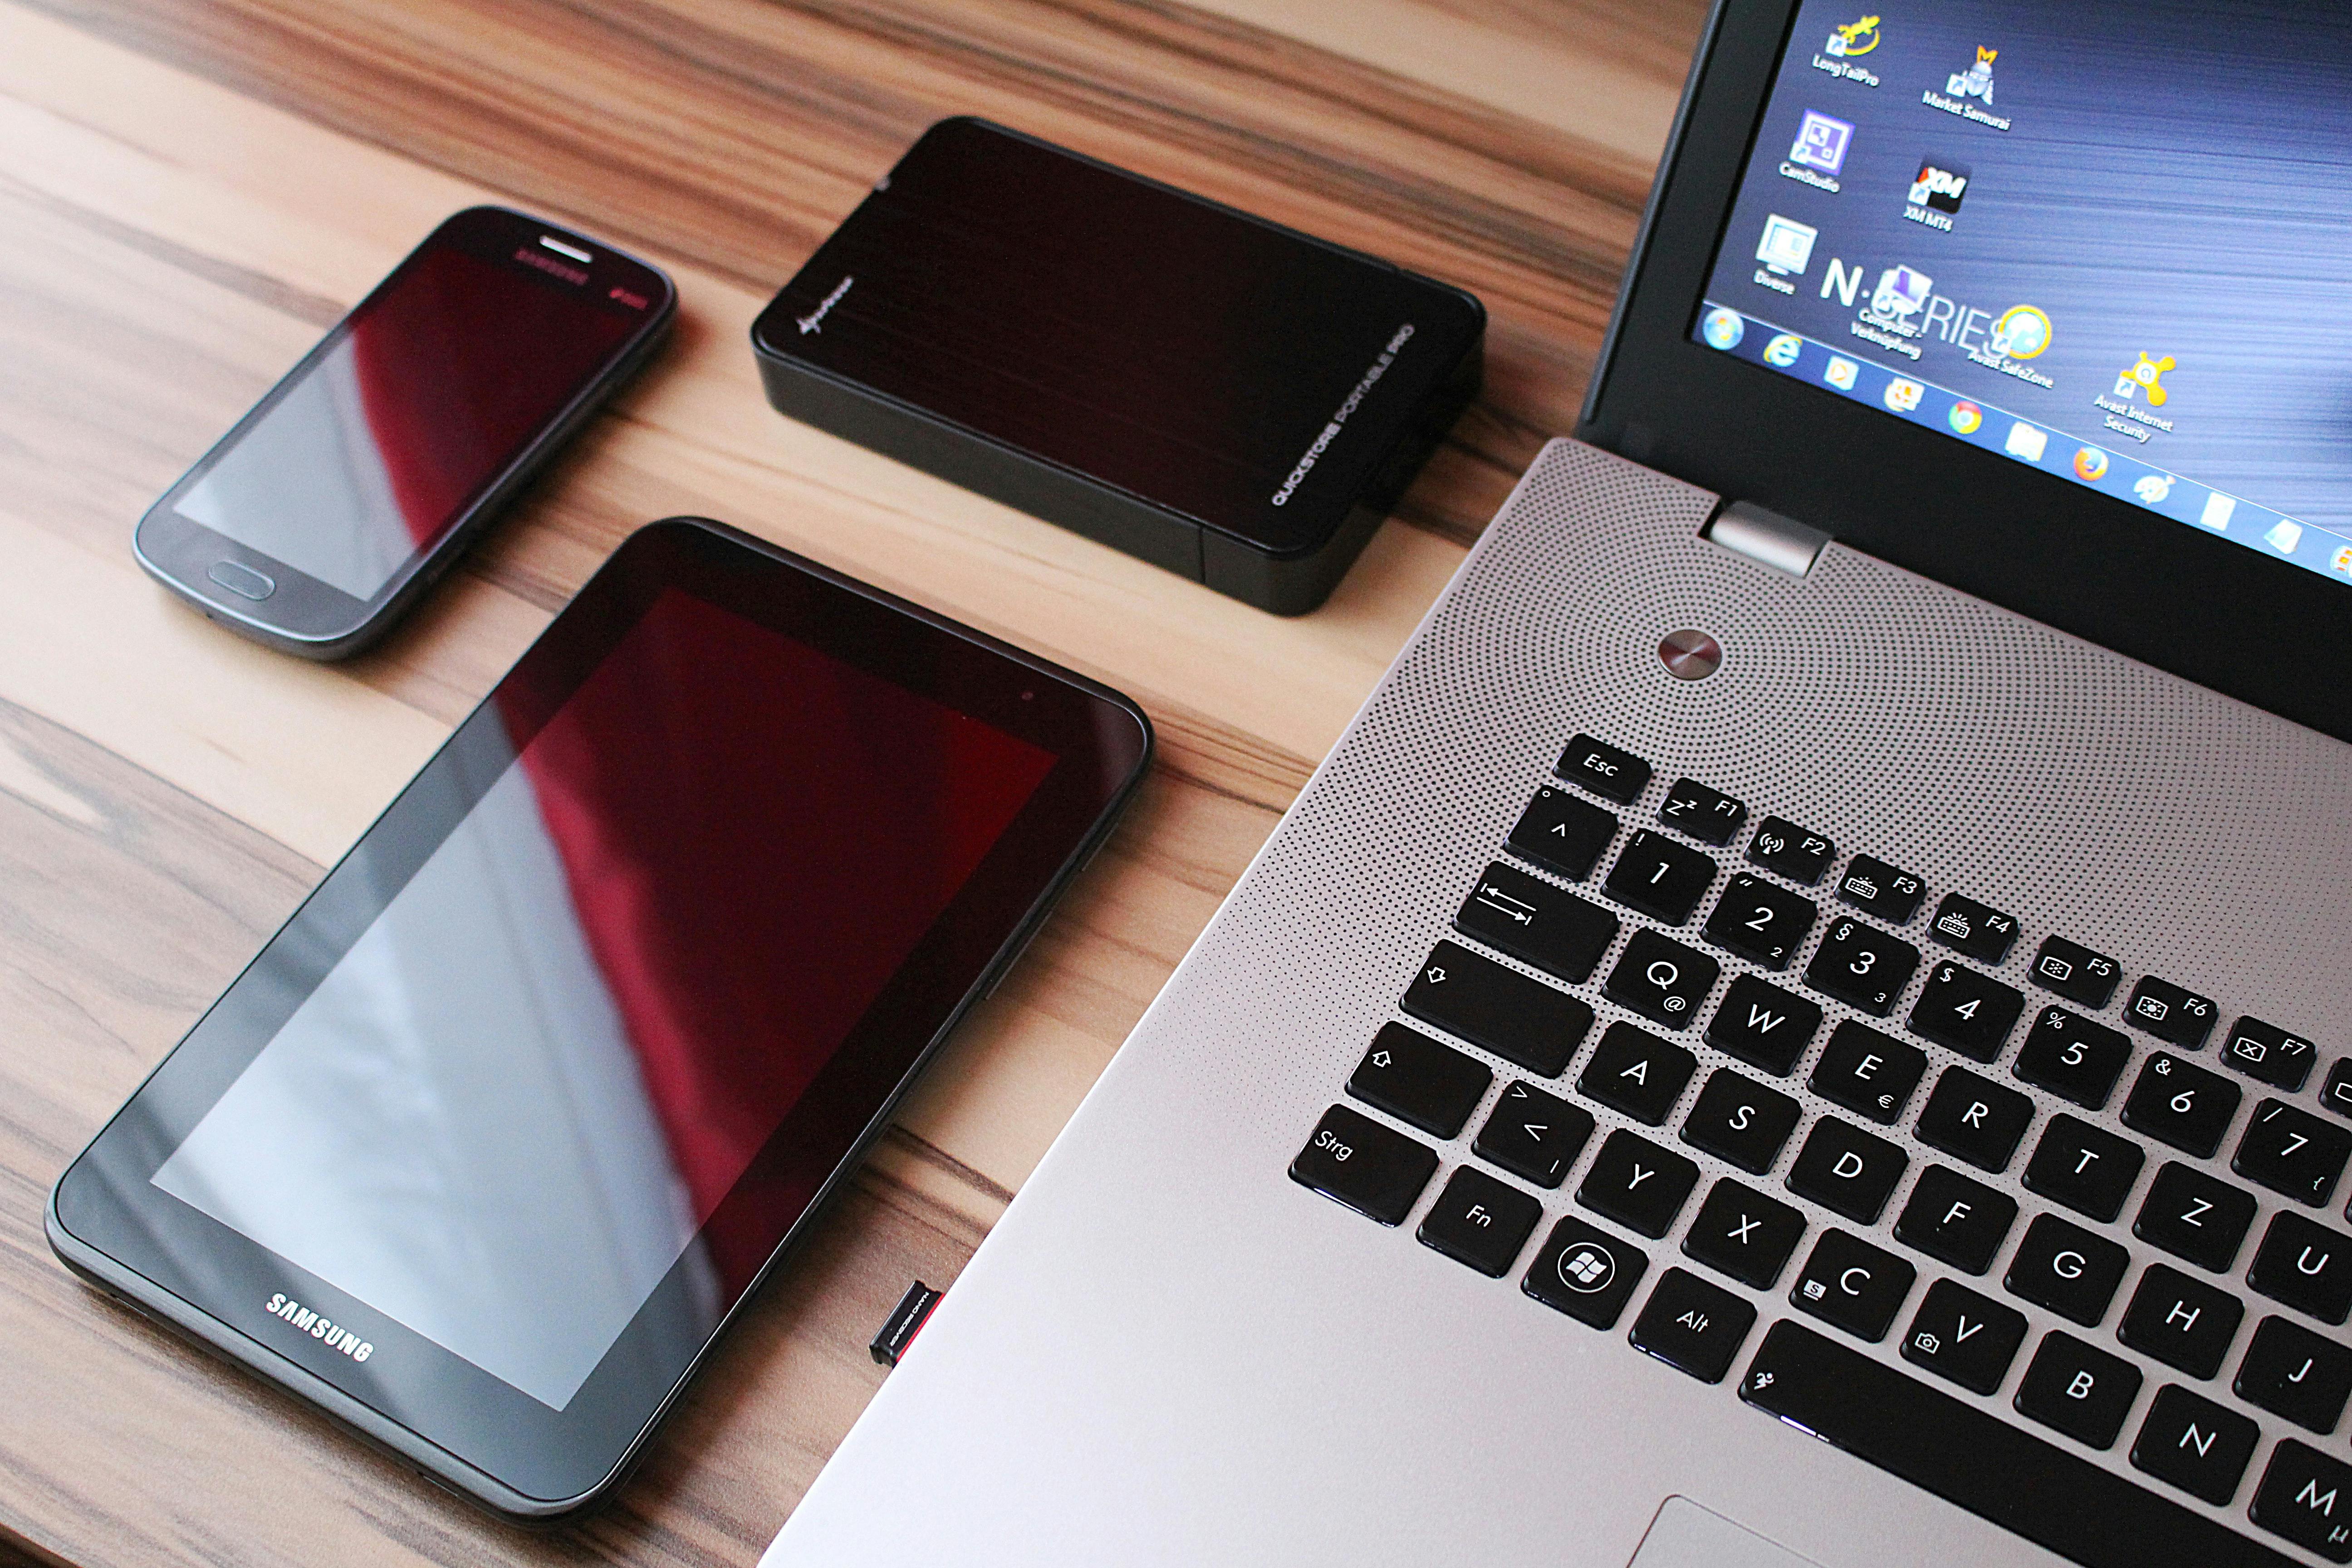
(2205, 608)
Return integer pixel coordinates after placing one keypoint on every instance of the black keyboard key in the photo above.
(1537, 922)
(1534, 1135)
(1972, 1458)
(1707, 815)
(2176, 1016)
(1479, 1221)
(2336, 1096)
(1862, 966)
(1760, 921)
(1514, 1015)
(1603, 769)
(1782, 847)
(1878, 890)
(1853, 1285)
(1634, 1071)
(1744, 1233)
(2193, 1215)
(1973, 930)
(1375, 1169)
(2183, 1322)
(2078, 1389)
(2306, 1497)
(2065, 1267)
(2075, 973)
(2292, 1151)
(2073, 1058)
(1869, 1073)
(1415, 1079)
(1740, 1121)
(1973, 1116)
(1585, 1272)
(2182, 1105)
(2306, 1265)
(2087, 1168)
(1660, 978)
(1845, 1169)
(1764, 1025)
(1693, 1326)
(1637, 1183)
(2289, 1370)
(1967, 1338)
(1562, 833)
(1660, 878)
(2194, 1444)
(2267, 1052)
(1966, 1012)
(1955, 1220)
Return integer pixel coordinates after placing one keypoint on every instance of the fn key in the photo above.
(1375, 1169)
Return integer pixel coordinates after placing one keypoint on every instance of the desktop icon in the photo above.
(1902, 395)
(2153, 488)
(1822, 140)
(2143, 377)
(2026, 441)
(1938, 186)
(1902, 291)
(2284, 536)
(2342, 561)
(1838, 372)
(1965, 417)
(1787, 246)
(2216, 515)
(1854, 39)
(1724, 329)
(1977, 80)
(2021, 332)
(2090, 465)
(1783, 350)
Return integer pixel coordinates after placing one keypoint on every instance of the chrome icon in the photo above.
(1965, 417)
(1724, 329)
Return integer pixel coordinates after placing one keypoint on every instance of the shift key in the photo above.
(1498, 1009)
(1537, 922)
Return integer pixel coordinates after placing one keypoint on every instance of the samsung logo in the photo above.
(334, 1336)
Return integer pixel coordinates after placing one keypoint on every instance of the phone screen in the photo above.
(416, 403)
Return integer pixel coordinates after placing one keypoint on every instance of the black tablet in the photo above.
(484, 1149)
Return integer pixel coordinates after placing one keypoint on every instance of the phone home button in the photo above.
(242, 580)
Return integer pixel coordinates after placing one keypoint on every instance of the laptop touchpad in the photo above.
(1685, 1535)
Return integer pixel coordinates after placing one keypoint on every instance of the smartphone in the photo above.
(340, 496)
(486, 1148)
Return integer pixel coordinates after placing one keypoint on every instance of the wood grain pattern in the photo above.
(193, 188)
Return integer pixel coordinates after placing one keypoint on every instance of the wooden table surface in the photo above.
(190, 190)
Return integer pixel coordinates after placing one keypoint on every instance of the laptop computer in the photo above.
(1802, 1021)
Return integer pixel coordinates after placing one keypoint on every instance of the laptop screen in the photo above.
(2112, 240)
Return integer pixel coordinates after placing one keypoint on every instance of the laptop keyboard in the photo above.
(2173, 1326)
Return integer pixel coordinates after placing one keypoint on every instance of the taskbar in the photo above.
(2119, 474)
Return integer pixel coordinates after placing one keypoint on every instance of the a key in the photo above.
(2301, 1499)
(1562, 833)
(1960, 1335)
(1955, 1220)
(1740, 1121)
(1862, 966)
(2078, 1389)
(2337, 1094)
(1852, 1284)
(1537, 923)
(2073, 1058)
(1973, 1116)
(2087, 1168)
(1966, 1012)
(1662, 979)
(1603, 769)
(1707, 815)
(2292, 1151)
(1845, 1169)
(1782, 846)
(1582, 1270)
(1744, 1233)
(1878, 890)
(2289, 1370)
(1637, 1183)
(1415, 1079)
(1534, 1135)
(1693, 1326)
(1763, 1026)
(2172, 1014)
(1869, 1073)
(1634, 1071)
(1973, 930)
(2075, 973)
(2194, 1444)
(2267, 1052)
(2190, 1214)
(2184, 1323)
(1660, 878)
(2306, 1265)
(1514, 1015)
(2182, 1105)
(1760, 921)
(1375, 1169)
(2065, 1267)
(1479, 1221)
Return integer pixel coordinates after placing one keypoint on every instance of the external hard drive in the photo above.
(1225, 397)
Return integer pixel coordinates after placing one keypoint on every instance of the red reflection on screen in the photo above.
(755, 834)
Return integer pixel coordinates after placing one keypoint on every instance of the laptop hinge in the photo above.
(1766, 536)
